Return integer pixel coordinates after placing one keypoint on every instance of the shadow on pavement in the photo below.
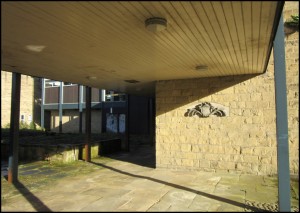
(221, 199)
(143, 155)
(35, 202)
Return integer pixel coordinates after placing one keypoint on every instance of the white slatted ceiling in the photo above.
(109, 40)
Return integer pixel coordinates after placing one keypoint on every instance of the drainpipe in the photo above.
(281, 121)
(14, 129)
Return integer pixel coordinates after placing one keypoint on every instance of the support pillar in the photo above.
(88, 123)
(43, 105)
(281, 121)
(151, 121)
(14, 129)
(80, 107)
(60, 106)
(127, 123)
(103, 116)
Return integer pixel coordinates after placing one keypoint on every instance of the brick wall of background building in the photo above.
(243, 142)
(70, 121)
(29, 100)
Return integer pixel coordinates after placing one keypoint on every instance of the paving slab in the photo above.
(118, 185)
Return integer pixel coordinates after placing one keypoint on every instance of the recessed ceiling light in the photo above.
(35, 48)
(201, 67)
(156, 24)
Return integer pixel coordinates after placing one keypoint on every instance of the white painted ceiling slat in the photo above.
(213, 29)
(207, 57)
(184, 28)
(269, 9)
(173, 40)
(167, 59)
(118, 47)
(149, 38)
(247, 18)
(179, 54)
(232, 33)
(224, 34)
(201, 37)
(181, 36)
(109, 40)
(256, 14)
(240, 32)
(207, 37)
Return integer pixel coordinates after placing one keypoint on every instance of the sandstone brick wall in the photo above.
(292, 69)
(243, 142)
(70, 121)
(28, 100)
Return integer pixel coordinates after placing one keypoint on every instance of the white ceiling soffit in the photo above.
(103, 44)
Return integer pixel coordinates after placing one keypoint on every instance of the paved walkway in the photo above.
(129, 183)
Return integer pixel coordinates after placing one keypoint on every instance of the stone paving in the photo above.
(128, 182)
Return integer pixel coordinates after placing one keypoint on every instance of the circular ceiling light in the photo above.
(156, 24)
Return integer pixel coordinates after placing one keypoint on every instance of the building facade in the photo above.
(30, 100)
(41, 101)
(243, 142)
(225, 123)
(64, 103)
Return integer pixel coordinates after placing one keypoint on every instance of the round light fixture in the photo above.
(201, 67)
(156, 24)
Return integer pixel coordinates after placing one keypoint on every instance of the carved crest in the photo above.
(207, 109)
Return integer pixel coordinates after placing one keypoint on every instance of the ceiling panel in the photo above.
(70, 41)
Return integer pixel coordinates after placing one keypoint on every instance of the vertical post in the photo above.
(127, 123)
(118, 123)
(103, 116)
(80, 107)
(60, 106)
(281, 121)
(112, 97)
(42, 104)
(151, 121)
(87, 123)
(14, 129)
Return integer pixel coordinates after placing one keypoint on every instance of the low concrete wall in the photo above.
(63, 152)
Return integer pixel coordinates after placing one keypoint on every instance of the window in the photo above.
(69, 84)
(29, 118)
(22, 118)
(51, 83)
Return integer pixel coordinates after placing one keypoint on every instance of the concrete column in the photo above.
(281, 121)
(14, 129)
(127, 123)
(103, 116)
(112, 97)
(61, 92)
(42, 104)
(80, 107)
(88, 98)
(151, 121)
